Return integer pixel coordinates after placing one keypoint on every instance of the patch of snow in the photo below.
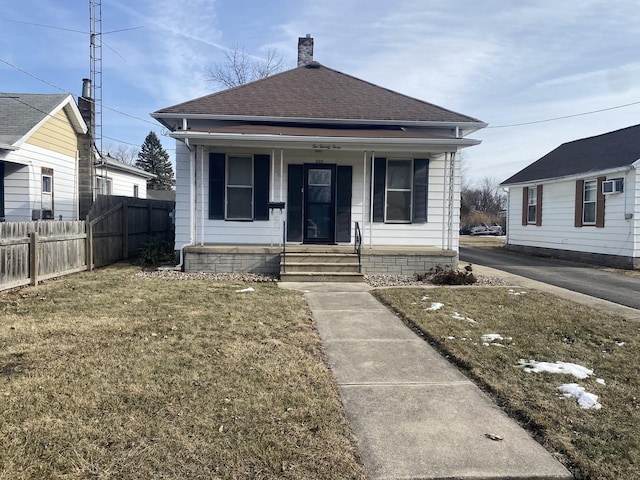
(426, 297)
(574, 369)
(511, 291)
(585, 399)
(490, 337)
(457, 316)
(494, 344)
(451, 338)
(435, 306)
(600, 381)
(485, 344)
(248, 289)
(621, 344)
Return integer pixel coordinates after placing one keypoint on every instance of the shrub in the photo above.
(451, 276)
(155, 252)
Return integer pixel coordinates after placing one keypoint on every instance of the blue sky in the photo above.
(503, 62)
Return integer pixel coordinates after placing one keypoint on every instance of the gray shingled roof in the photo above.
(314, 91)
(616, 149)
(20, 112)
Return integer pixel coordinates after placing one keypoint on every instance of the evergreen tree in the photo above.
(154, 159)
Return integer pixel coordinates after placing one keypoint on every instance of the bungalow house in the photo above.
(319, 164)
(39, 149)
(580, 202)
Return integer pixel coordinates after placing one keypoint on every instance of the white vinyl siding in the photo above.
(23, 183)
(558, 230)
(229, 232)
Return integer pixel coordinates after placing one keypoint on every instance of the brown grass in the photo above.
(109, 375)
(596, 444)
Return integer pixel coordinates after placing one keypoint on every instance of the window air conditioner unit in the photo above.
(41, 214)
(615, 185)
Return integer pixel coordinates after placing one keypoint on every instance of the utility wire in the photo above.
(70, 93)
(565, 116)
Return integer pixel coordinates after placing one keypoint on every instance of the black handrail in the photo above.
(358, 246)
(283, 263)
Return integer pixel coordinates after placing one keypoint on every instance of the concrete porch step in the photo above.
(319, 257)
(321, 277)
(299, 267)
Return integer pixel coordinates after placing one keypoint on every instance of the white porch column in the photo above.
(373, 158)
(364, 191)
(200, 150)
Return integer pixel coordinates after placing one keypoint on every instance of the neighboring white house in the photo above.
(580, 202)
(114, 177)
(323, 151)
(38, 156)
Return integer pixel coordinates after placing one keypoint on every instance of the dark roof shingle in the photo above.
(616, 149)
(316, 92)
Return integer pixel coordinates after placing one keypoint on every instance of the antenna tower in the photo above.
(95, 14)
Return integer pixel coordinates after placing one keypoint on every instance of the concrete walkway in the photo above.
(415, 416)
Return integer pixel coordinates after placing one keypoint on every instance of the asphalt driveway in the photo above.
(611, 286)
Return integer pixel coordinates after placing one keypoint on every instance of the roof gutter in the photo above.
(329, 121)
(574, 176)
(323, 143)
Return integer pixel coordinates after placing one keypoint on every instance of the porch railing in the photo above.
(283, 260)
(357, 246)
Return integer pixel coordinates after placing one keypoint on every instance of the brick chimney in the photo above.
(305, 50)
(86, 150)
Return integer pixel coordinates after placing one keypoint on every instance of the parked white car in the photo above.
(484, 229)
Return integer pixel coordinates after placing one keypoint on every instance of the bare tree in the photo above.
(240, 67)
(125, 153)
(482, 203)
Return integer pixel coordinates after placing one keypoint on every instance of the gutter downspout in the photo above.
(192, 181)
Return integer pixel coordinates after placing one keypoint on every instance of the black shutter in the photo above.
(261, 167)
(379, 182)
(294, 203)
(216, 186)
(420, 189)
(343, 203)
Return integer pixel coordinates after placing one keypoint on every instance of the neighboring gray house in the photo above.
(580, 202)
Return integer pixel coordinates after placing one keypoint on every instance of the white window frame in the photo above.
(46, 190)
(101, 181)
(532, 205)
(591, 185)
(387, 190)
(228, 185)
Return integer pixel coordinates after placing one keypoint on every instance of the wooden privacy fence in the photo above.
(115, 229)
(35, 251)
(120, 226)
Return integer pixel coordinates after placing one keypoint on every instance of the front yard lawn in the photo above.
(490, 333)
(111, 375)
